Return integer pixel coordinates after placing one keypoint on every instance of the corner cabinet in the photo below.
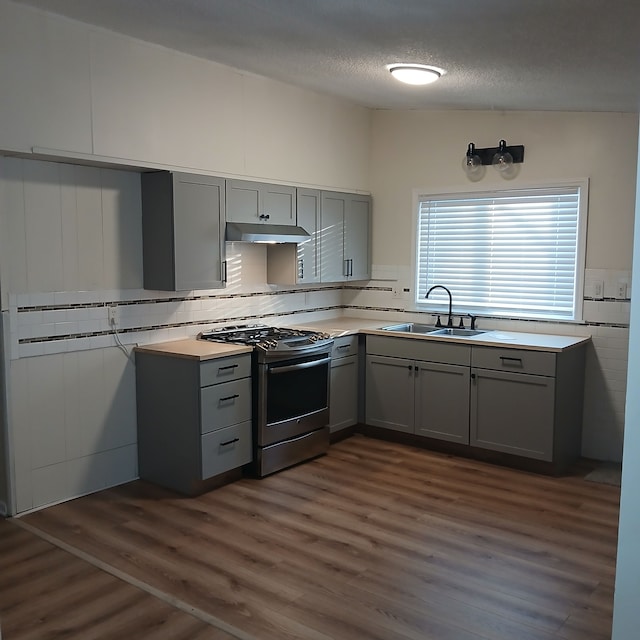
(417, 386)
(289, 263)
(194, 418)
(345, 246)
(260, 202)
(183, 231)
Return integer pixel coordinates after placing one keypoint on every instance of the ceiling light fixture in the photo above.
(503, 158)
(416, 74)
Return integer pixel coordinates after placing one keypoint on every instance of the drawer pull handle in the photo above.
(230, 366)
(233, 397)
(507, 360)
(228, 442)
(343, 346)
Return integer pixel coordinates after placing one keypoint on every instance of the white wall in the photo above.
(77, 89)
(424, 149)
(626, 614)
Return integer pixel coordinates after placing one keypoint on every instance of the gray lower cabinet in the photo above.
(343, 403)
(527, 403)
(442, 401)
(428, 396)
(183, 231)
(194, 418)
(521, 402)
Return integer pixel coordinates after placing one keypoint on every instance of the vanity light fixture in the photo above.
(502, 158)
(416, 74)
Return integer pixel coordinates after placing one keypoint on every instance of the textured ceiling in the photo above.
(578, 55)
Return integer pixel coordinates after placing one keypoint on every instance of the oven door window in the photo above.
(297, 388)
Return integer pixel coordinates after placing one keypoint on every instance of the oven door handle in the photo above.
(300, 365)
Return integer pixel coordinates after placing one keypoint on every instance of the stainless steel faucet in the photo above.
(439, 286)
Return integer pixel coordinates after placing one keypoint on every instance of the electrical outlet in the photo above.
(113, 315)
(397, 291)
(622, 290)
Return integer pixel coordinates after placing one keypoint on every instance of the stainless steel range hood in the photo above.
(247, 232)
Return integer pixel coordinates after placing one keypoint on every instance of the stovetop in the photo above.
(266, 338)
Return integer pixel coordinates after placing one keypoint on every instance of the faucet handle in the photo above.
(473, 320)
(461, 323)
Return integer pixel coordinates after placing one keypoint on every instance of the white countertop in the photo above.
(510, 339)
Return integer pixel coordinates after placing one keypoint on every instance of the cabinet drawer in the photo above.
(419, 349)
(226, 449)
(539, 363)
(345, 346)
(225, 404)
(225, 369)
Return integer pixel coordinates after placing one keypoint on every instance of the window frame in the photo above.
(495, 189)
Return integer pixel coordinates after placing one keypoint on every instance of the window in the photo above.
(513, 253)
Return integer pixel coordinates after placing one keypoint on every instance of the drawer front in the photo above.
(345, 346)
(540, 363)
(222, 405)
(419, 349)
(226, 449)
(225, 369)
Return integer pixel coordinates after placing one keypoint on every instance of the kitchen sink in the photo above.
(410, 327)
(452, 331)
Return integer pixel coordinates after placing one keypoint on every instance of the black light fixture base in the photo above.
(486, 155)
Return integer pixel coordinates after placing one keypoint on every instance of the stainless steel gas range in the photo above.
(291, 372)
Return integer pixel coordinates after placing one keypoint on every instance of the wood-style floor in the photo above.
(375, 541)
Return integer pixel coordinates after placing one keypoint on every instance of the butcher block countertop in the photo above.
(490, 338)
(195, 349)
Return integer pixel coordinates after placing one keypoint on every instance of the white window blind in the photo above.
(510, 253)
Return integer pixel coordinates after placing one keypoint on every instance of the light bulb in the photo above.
(502, 160)
(472, 164)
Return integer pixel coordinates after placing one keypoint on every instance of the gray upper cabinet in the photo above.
(290, 263)
(357, 243)
(260, 202)
(345, 222)
(183, 231)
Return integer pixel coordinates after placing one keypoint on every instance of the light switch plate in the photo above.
(598, 290)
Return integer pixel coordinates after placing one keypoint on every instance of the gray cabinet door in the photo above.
(343, 401)
(390, 393)
(308, 264)
(183, 231)
(260, 202)
(279, 203)
(442, 402)
(513, 413)
(357, 251)
(332, 210)
(243, 201)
